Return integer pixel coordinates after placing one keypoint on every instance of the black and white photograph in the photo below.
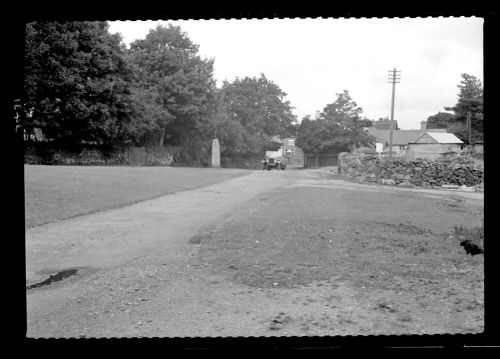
(277, 177)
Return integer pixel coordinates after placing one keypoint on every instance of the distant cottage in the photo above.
(293, 154)
(432, 145)
(422, 143)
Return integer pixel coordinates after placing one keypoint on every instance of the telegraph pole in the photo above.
(394, 78)
(469, 127)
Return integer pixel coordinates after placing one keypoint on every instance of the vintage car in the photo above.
(273, 162)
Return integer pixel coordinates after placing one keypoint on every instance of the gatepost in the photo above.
(215, 153)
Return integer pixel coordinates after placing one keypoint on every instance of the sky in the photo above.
(314, 59)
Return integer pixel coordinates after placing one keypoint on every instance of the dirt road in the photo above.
(251, 256)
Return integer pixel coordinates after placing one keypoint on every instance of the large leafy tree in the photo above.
(173, 85)
(252, 111)
(76, 87)
(344, 111)
(312, 135)
(339, 128)
(449, 122)
(470, 100)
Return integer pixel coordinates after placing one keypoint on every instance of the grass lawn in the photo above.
(54, 193)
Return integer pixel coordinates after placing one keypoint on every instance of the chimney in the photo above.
(423, 125)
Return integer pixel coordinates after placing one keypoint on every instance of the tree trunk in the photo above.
(316, 161)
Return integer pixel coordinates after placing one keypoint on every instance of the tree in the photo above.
(254, 109)
(344, 111)
(440, 120)
(365, 122)
(311, 135)
(470, 100)
(339, 127)
(470, 96)
(173, 84)
(76, 88)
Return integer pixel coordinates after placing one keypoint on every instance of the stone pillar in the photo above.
(215, 153)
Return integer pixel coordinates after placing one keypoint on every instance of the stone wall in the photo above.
(160, 156)
(400, 171)
(86, 157)
(137, 156)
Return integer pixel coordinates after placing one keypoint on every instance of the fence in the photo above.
(322, 161)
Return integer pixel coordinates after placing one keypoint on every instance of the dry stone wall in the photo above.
(138, 156)
(400, 171)
(89, 157)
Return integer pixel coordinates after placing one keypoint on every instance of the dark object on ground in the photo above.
(472, 239)
(471, 247)
(55, 278)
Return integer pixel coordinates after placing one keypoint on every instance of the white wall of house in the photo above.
(430, 150)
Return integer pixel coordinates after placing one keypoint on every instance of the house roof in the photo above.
(440, 137)
(401, 137)
(385, 125)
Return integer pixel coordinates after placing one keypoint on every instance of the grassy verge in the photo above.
(294, 237)
(383, 260)
(54, 193)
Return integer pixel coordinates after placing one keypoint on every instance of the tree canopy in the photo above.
(441, 120)
(339, 127)
(173, 85)
(252, 110)
(76, 87)
(470, 100)
(84, 87)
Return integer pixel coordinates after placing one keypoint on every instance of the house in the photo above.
(432, 145)
(288, 145)
(400, 138)
(293, 154)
